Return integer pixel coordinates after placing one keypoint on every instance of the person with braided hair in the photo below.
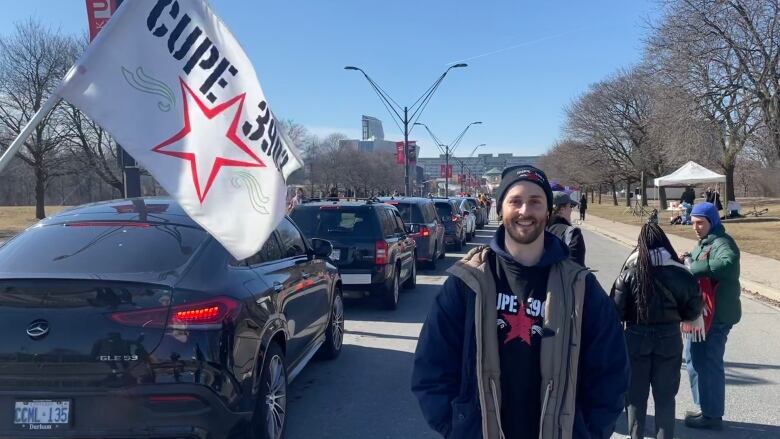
(653, 294)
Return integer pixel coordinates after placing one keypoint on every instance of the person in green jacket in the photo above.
(715, 263)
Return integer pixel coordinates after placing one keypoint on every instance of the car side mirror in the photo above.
(322, 248)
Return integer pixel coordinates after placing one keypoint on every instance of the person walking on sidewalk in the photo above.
(653, 294)
(715, 264)
(583, 206)
(560, 226)
(521, 342)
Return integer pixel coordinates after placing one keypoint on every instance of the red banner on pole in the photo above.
(98, 14)
(400, 156)
(445, 171)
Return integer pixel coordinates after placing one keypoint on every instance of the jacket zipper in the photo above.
(497, 406)
(544, 407)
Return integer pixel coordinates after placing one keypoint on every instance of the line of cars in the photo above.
(127, 319)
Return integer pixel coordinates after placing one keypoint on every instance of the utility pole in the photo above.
(415, 109)
(447, 150)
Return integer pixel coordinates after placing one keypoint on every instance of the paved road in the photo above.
(365, 392)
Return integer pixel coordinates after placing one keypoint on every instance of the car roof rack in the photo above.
(335, 200)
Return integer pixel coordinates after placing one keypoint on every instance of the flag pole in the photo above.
(27, 130)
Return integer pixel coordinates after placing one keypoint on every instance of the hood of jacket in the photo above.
(658, 257)
(554, 249)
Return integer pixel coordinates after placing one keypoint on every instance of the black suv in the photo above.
(452, 218)
(422, 220)
(127, 319)
(372, 248)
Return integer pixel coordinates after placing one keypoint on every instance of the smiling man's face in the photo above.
(524, 212)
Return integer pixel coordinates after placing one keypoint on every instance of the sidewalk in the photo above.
(759, 274)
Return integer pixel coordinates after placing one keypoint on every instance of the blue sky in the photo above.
(554, 50)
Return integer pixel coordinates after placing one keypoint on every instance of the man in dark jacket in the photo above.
(521, 342)
(560, 226)
(715, 263)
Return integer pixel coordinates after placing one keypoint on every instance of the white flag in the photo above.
(170, 82)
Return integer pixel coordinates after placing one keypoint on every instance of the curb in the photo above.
(759, 289)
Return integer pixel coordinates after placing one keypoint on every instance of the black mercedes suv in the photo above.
(372, 248)
(126, 319)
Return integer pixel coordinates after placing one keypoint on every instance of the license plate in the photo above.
(42, 414)
(336, 254)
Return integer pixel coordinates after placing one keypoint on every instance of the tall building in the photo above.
(478, 165)
(373, 137)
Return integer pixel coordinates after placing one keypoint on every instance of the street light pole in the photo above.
(416, 110)
(448, 149)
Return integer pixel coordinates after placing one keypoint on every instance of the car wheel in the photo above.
(411, 283)
(334, 335)
(459, 244)
(443, 252)
(270, 416)
(391, 293)
(434, 258)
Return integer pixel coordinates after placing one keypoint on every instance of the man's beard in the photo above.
(525, 235)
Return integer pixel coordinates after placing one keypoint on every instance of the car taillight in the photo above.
(455, 218)
(380, 255)
(425, 232)
(207, 314)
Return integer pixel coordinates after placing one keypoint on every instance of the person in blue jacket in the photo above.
(521, 342)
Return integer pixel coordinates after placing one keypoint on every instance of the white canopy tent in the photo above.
(690, 173)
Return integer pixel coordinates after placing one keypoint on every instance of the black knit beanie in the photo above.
(514, 174)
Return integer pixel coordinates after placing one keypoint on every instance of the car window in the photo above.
(432, 215)
(333, 222)
(388, 222)
(399, 224)
(410, 212)
(445, 210)
(101, 247)
(269, 252)
(291, 240)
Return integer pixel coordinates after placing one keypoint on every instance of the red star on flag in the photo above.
(208, 140)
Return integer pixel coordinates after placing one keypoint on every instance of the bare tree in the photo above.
(750, 29)
(612, 119)
(33, 61)
(687, 55)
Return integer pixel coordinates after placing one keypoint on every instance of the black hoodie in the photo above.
(558, 227)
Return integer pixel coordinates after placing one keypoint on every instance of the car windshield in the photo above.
(101, 247)
(317, 221)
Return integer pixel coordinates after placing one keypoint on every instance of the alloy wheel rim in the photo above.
(338, 322)
(276, 398)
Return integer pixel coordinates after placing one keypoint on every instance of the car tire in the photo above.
(411, 283)
(270, 416)
(392, 292)
(443, 252)
(434, 258)
(334, 335)
(459, 244)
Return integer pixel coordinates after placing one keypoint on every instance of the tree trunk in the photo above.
(628, 193)
(643, 184)
(599, 193)
(662, 197)
(728, 192)
(40, 191)
(614, 194)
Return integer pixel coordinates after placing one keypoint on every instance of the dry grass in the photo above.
(754, 235)
(14, 219)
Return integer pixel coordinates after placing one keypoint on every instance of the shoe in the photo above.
(704, 422)
(692, 414)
